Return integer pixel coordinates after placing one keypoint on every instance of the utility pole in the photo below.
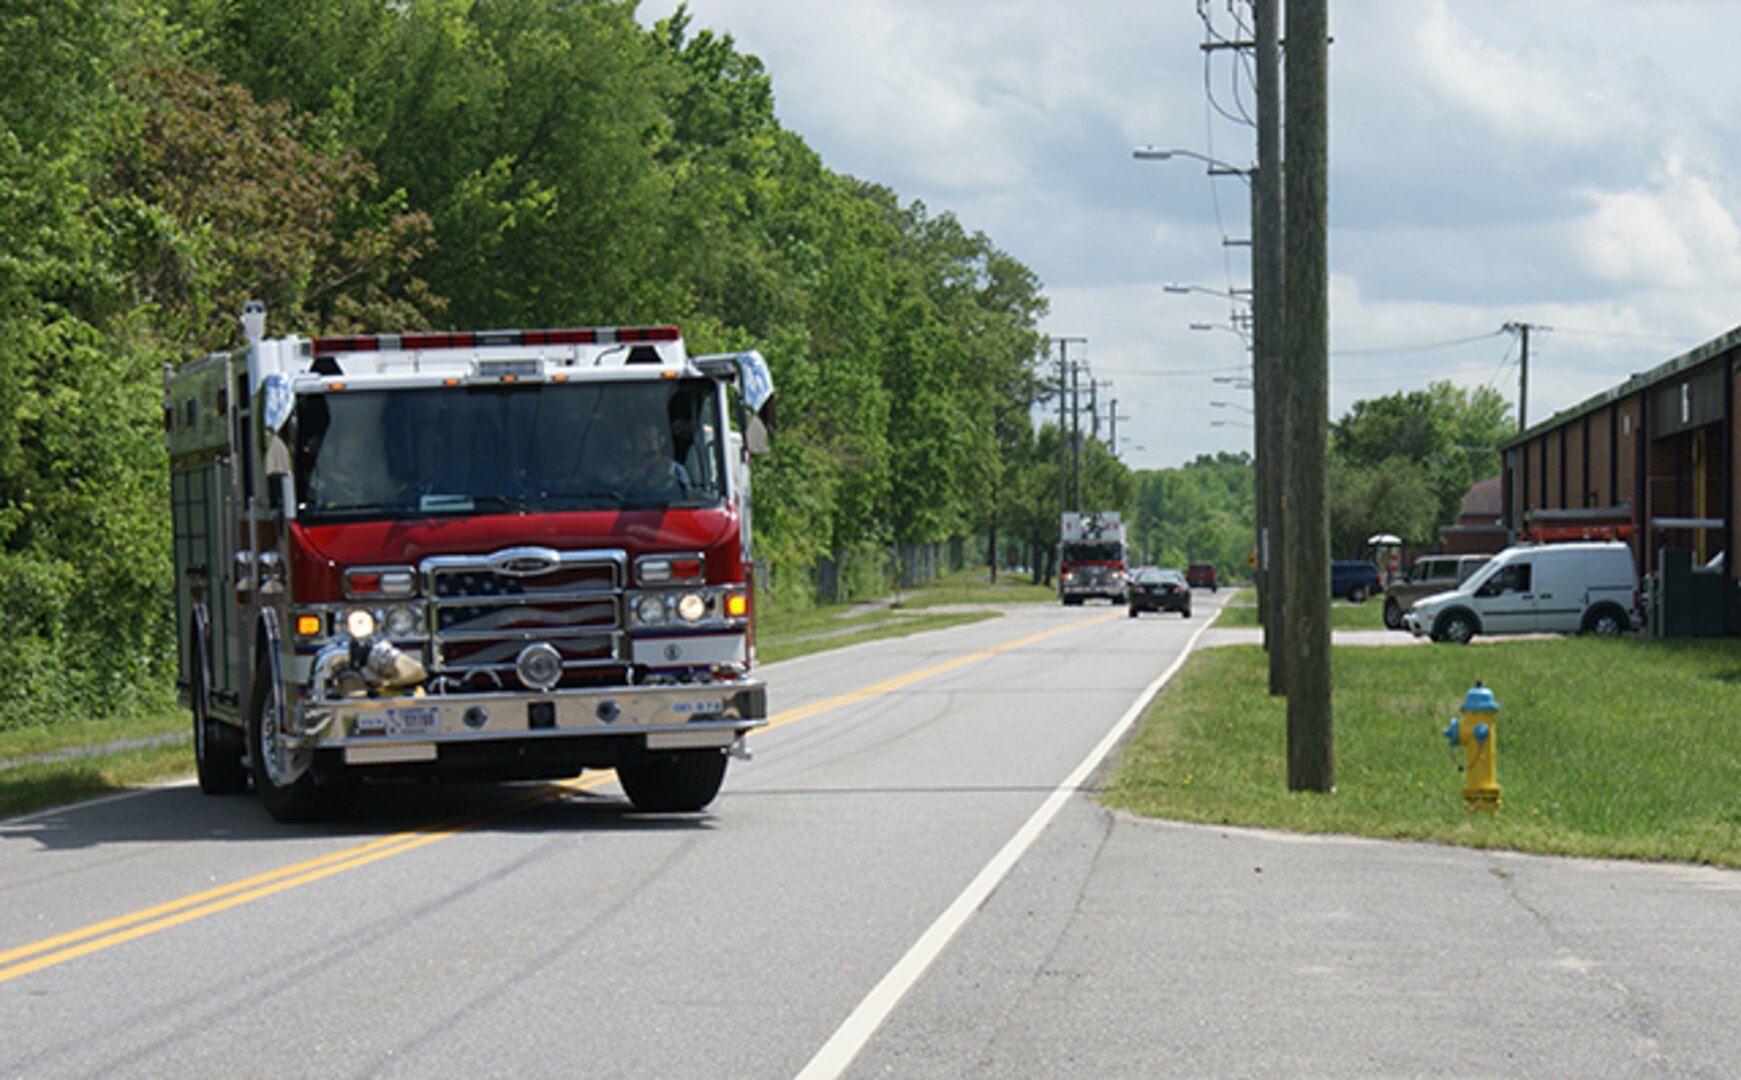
(1267, 318)
(1306, 360)
(1075, 439)
(1063, 396)
(1522, 329)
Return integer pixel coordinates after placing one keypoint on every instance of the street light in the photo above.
(1229, 327)
(1216, 166)
(1226, 294)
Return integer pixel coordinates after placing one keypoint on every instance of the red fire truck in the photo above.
(504, 555)
(1091, 556)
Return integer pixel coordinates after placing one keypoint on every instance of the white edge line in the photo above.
(852, 1035)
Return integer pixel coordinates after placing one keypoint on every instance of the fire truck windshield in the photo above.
(526, 448)
(1092, 551)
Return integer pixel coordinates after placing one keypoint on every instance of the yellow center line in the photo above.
(900, 682)
(50, 951)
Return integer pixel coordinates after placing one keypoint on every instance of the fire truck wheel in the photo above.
(672, 783)
(286, 783)
(217, 752)
(217, 748)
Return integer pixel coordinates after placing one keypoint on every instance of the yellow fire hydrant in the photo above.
(1475, 730)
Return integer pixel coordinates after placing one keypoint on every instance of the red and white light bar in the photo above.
(598, 335)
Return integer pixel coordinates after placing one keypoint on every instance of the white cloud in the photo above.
(1564, 162)
(1521, 94)
(1679, 235)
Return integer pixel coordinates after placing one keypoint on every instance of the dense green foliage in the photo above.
(404, 164)
(1199, 513)
(1399, 464)
(1402, 464)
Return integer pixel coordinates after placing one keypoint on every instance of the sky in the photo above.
(1570, 164)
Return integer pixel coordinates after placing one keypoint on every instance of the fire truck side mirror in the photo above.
(756, 435)
(756, 384)
(275, 406)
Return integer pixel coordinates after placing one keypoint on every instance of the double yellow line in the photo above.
(26, 959)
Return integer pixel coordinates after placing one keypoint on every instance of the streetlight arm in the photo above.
(1217, 167)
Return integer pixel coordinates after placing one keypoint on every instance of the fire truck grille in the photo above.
(481, 615)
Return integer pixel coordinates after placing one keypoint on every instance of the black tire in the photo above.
(1357, 595)
(1606, 621)
(679, 782)
(217, 747)
(1456, 627)
(1392, 614)
(287, 784)
(1184, 613)
(217, 755)
(1133, 611)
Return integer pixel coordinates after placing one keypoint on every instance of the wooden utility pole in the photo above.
(1521, 329)
(1075, 438)
(1267, 316)
(1306, 360)
(1063, 397)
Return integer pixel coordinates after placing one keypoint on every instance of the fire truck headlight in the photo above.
(650, 609)
(402, 621)
(691, 607)
(360, 623)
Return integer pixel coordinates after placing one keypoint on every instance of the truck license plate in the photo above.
(417, 720)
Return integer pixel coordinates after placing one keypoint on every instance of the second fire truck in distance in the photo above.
(1091, 557)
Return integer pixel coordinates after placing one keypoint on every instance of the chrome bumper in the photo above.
(409, 728)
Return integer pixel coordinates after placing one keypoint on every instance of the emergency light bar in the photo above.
(625, 335)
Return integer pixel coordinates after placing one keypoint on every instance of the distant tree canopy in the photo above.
(1402, 464)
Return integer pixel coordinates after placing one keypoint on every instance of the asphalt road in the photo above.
(909, 879)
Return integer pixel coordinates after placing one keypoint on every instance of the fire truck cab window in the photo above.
(523, 449)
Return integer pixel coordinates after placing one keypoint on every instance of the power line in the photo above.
(1625, 335)
(1237, 369)
(1396, 350)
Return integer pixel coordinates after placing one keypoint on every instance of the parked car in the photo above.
(1589, 588)
(1355, 579)
(1153, 588)
(1430, 574)
(1201, 575)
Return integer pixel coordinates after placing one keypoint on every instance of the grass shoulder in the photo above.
(959, 598)
(62, 763)
(1606, 747)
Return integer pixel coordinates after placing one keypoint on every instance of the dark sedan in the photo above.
(1155, 589)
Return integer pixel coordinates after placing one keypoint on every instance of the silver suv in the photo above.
(1430, 574)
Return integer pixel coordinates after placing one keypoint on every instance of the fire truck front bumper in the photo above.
(411, 729)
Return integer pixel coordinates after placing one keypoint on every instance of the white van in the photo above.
(1587, 588)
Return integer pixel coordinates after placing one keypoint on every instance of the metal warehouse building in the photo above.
(1653, 461)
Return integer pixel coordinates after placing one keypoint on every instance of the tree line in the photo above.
(370, 165)
(366, 165)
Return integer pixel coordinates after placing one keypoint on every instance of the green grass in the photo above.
(1240, 611)
(786, 635)
(1621, 748)
(99, 770)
